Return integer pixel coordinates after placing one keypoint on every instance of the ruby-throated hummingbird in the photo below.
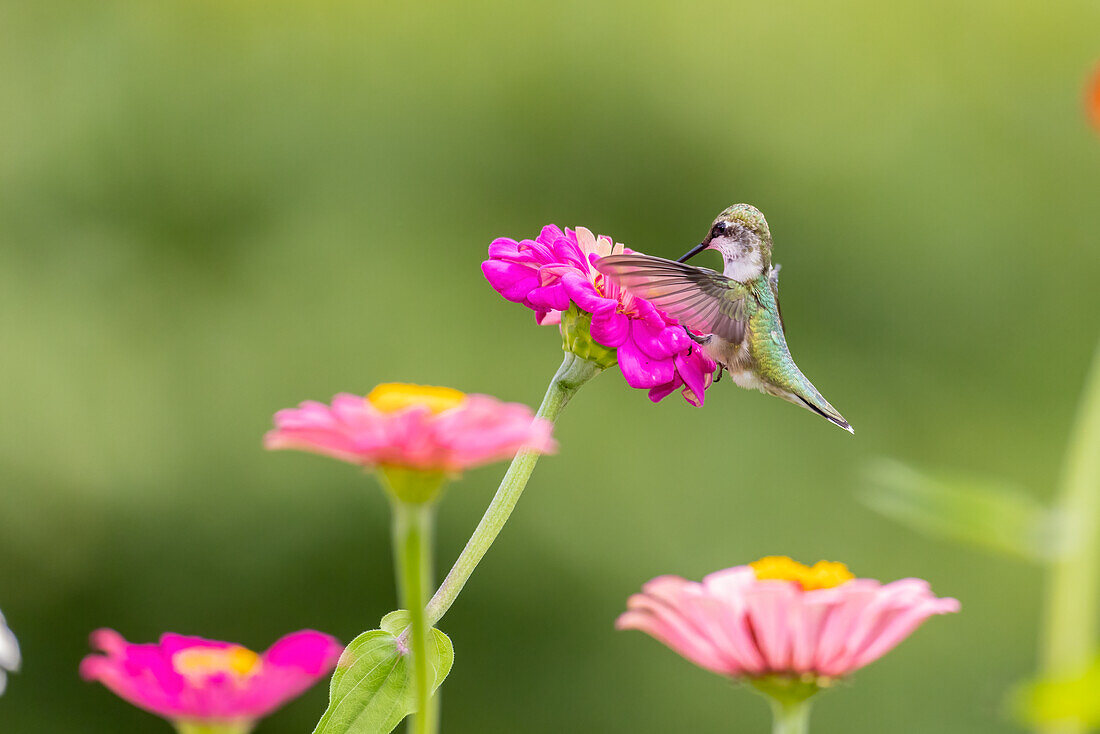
(737, 311)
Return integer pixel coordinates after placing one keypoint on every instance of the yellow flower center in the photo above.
(199, 663)
(821, 575)
(391, 397)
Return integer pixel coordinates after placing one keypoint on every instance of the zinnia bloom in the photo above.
(777, 617)
(549, 273)
(9, 653)
(433, 429)
(206, 685)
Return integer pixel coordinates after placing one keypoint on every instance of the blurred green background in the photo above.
(213, 210)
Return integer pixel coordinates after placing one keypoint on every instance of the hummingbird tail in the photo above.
(829, 413)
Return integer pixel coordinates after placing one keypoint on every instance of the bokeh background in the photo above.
(213, 210)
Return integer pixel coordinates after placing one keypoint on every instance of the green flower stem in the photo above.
(790, 717)
(198, 727)
(790, 701)
(573, 373)
(412, 538)
(1068, 639)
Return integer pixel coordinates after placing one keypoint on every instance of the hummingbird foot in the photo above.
(718, 374)
(696, 338)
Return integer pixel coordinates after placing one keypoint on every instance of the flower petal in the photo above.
(609, 327)
(640, 370)
(478, 430)
(736, 624)
(583, 293)
(510, 280)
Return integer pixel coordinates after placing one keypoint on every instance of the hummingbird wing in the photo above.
(700, 299)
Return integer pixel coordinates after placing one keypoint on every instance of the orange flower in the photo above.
(1092, 98)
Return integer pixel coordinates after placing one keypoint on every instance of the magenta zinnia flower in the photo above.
(434, 429)
(777, 617)
(555, 269)
(196, 683)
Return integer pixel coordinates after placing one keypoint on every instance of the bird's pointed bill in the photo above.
(692, 252)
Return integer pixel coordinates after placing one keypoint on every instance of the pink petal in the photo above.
(660, 613)
(145, 676)
(313, 652)
(535, 251)
(901, 626)
(639, 370)
(653, 342)
(505, 248)
(480, 430)
(547, 317)
(697, 372)
(659, 393)
(734, 624)
(770, 605)
(552, 297)
(609, 327)
(512, 281)
(583, 293)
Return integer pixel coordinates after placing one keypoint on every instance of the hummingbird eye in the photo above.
(720, 229)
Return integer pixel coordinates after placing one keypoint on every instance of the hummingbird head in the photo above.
(740, 234)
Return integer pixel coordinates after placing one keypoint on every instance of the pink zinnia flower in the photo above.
(777, 617)
(555, 269)
(194, 682)
(434, 429)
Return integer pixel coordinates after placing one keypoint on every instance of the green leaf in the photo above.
(979, 512)
(396, 621)
(441, 658)
(372, 689)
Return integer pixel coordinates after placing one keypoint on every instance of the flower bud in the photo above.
(576, 337)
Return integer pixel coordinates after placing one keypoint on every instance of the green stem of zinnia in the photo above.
(790, 717)
(412, 537)
(790, 701)
(1068, 638)
(573, 372)
(199, 727)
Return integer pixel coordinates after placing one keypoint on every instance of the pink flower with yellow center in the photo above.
(431, 429)
(777, 617)
(207, 685)
(555, 269)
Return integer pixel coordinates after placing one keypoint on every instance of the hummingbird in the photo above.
(735, 312)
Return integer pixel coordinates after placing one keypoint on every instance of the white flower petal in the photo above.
(587, 241)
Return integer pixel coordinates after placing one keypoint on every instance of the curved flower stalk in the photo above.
(786, 628)
(9, 653)
(416, 437)
(553, 275)
(206, 686)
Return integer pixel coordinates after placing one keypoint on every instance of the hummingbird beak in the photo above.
(692, 252)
